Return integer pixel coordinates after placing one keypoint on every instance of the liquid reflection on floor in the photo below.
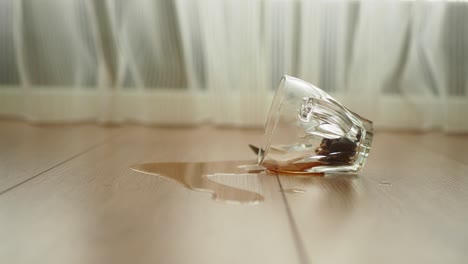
(196, 176)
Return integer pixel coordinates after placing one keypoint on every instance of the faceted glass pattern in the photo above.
(309, 132)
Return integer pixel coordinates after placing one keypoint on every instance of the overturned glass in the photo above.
(309, 132)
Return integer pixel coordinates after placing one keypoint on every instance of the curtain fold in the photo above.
(403, 64)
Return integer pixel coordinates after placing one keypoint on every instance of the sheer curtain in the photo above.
(403, 64)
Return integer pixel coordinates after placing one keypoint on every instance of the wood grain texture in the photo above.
(28, 150)
(94, 209)
(409, 205)
(452, 146)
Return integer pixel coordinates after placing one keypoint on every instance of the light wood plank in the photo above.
(409, 205)
(28, 150)
(94, 209)
(449, 145)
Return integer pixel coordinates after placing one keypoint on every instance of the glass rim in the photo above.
(273, 116)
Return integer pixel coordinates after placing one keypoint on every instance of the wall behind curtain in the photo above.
(403, 64)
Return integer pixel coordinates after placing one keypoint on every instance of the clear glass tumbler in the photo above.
(309, 132)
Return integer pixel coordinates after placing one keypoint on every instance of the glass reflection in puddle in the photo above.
(196, 176)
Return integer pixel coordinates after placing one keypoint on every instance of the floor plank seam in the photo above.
(53, 167)
(303, 257)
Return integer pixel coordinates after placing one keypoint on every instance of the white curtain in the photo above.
(402, 64)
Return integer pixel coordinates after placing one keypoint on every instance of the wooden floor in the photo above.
(68, 195)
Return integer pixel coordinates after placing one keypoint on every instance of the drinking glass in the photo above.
(309, 132)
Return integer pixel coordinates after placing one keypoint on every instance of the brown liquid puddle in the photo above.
(291, 168)
(196, 176)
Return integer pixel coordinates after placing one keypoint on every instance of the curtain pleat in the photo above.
(403, 64)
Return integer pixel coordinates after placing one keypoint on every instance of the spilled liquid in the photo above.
(196, 176)
(294, 191)
(385, 183)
